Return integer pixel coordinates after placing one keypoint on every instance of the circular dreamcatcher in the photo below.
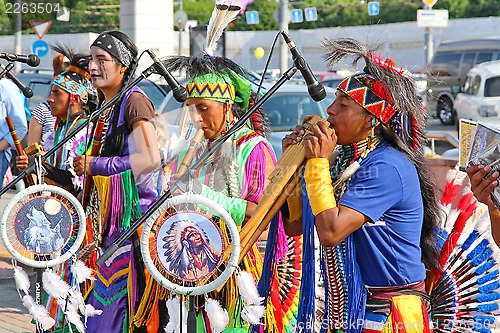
(184, 241)
(42, 226)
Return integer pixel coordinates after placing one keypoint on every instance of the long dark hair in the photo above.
(406, 130)
(115, 141)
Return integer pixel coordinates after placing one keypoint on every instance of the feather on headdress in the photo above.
(223, 13)
(389, 93)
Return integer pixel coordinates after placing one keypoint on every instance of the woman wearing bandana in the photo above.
(71, 100)
(123, 180)
(373, 206)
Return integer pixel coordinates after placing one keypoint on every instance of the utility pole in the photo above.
(428, 38)
(283, 27)
(181, 30)
(18, 32)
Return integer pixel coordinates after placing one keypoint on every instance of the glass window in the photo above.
(41, 92)
(467, 62)
(483, 57)
(471, 84)
(445, 64)
(492, 87)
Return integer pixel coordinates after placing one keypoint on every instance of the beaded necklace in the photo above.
(349, 159)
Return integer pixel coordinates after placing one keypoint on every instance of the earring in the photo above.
(372, 134)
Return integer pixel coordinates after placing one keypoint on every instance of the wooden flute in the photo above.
(17, 144)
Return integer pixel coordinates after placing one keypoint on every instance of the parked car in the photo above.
(40, 81)
(479, 97)
(449, 66)
(285, 109)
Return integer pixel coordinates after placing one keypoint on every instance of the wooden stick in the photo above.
(186, 161)
(17, 144)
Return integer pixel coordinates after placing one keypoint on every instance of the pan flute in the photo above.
(282, 181)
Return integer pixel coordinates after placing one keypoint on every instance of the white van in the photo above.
(449, 66)
(479, 97)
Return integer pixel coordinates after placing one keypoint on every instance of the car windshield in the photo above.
(286, 110)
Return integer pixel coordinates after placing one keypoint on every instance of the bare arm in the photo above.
(34, 131)
(482, 188)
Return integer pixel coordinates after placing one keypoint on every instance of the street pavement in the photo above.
(14, 317)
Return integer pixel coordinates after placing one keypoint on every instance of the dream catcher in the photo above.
(182, 245)
(464, 294)
(43, 226)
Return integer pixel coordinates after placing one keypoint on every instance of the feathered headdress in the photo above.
(383, 90)
(220, 79)
(76, 79)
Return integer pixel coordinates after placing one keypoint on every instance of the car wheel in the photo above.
(445, 112)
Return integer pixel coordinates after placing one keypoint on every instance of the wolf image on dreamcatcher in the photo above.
(42, 226)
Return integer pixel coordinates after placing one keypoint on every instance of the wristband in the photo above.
(236, 207)
(294, 202)
(319, 185)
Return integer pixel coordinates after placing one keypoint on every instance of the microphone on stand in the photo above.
(179, 92)
(31, 59)
(316, 89)
(25, 90)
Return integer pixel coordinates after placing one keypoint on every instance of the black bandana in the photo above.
(115, 47)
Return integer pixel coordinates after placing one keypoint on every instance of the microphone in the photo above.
(26, 90)
(180, 93)
(31, 59)
(316, 89)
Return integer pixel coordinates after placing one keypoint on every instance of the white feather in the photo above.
(253, 313)
(22, 280)
(247, 288)
(88, 310)
(54, 285)
(173, 312)
(217, 315)
(38, 312)
(82, 272)
(74, 318)
(222, 15)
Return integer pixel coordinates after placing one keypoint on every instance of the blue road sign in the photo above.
(297, 16)
(252, 17)
(373, 8)
(40, 48)
(311, 14)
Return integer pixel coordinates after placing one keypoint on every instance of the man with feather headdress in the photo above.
(373, 205)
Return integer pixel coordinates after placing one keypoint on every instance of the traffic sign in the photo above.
(429, 3)
(311, 14)
(40, 27)
(297, 16)
(373, 8)
(252, 17)
(432, 18)
(40, 48)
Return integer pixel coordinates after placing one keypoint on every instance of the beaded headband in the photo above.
(69, 82)
(355, 86)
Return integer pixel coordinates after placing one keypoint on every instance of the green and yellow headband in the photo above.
(222, 86)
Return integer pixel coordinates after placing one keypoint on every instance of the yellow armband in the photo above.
(294, 201)
(319, 185)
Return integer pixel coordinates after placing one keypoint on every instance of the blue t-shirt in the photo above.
(386, 189)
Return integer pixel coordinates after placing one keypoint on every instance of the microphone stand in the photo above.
(184, 179)
(147, 72)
